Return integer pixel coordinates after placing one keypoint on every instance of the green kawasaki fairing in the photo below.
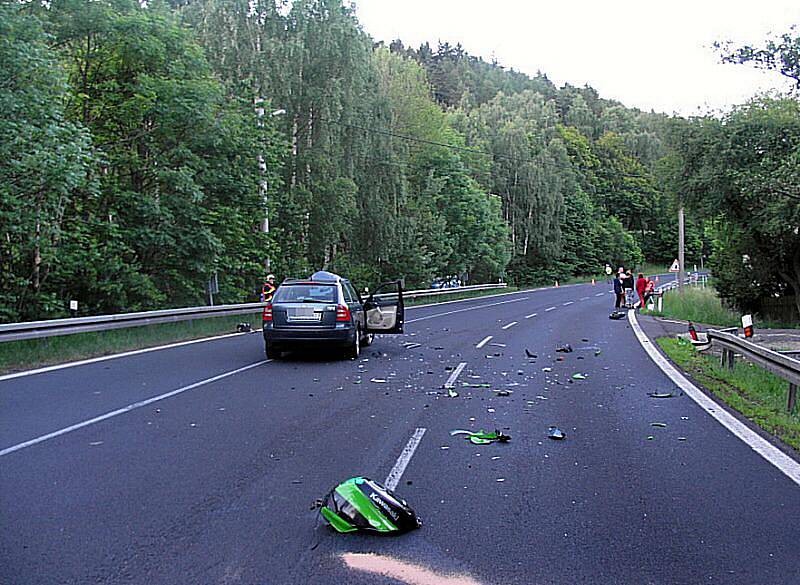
(363, 504)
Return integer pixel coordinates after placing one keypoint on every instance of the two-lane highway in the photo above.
(197, 464)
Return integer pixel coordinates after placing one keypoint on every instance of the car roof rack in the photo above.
(319, 276)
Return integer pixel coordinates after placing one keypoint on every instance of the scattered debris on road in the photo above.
(378, 380)
(660, 425)
(452, 393)
(661, 395)
(566, 348)
(482, 437)
(530, 354)
(578, 376)
(555, 433)
(244, 328)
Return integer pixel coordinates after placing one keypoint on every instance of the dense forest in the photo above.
(147, 147)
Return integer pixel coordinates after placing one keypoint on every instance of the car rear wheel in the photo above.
(354, 349)
(271, 352)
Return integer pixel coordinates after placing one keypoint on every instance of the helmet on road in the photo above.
(363, 504)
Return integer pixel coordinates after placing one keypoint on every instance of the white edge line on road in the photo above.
(128, 408)
(509, 326)
(567, 304)
(115, 356)
(783, 462)
(484, 341)
(452, 379)
(531, 315)
(549, 309)
(403, 460)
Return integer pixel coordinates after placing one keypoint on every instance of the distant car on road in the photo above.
(450, 282)
(327, 311)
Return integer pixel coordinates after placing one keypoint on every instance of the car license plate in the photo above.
(304, 314)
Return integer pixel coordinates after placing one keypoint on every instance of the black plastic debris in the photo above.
(566, 348)
(244, 328)
(529, 354)
(616, 315)
(555, 433)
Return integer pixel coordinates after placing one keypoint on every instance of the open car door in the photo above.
(384, 308)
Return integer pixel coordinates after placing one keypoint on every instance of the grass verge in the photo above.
(703, 305)
(700, 305)
(34, 353)
(757, 394)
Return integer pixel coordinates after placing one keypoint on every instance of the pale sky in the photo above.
(650, 55)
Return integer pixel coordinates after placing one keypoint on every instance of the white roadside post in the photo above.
(747, 325)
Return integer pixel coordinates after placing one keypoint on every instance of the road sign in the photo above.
(675, 266)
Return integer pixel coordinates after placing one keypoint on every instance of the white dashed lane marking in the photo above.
(531, 315)
(509, 326)
(484, 341)
(451, 381)
(405, 457)
(550, 309)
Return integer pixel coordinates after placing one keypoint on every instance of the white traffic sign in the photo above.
(675, 266)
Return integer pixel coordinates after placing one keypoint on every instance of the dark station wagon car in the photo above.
(327, 311)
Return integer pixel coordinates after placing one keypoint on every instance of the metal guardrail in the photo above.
(778, 363)
(69, 326)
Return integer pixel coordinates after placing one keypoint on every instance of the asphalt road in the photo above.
(213, 483)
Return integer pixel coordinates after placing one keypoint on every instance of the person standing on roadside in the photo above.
(649, 291)
(609, 272)
(641, 286)
(268, 289)
(628, 284)
(619, 292)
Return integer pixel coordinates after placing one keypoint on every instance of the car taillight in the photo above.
(267, 314)
(342, 313)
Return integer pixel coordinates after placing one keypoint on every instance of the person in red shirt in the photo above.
(641, 286)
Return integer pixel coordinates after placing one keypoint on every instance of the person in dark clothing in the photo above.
(641, 286)
(628, 284)
(619, 292)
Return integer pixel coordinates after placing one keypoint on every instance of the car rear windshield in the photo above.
(306, 293)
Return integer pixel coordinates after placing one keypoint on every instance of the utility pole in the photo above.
(681, 246)
(262, 167)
